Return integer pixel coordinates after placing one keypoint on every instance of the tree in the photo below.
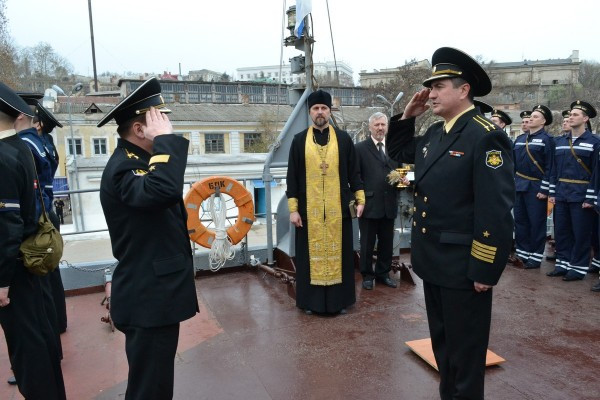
(225, 77)
(409, 79)
(267, 128)
(8, 70)
(41, 61)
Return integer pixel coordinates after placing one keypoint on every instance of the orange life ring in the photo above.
(201, 191)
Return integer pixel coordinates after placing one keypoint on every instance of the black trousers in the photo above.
(381, 230)
(459, 324)
(151, 358)
(31, 342)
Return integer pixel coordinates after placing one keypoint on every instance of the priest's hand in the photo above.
(359, 210)
(296, 219)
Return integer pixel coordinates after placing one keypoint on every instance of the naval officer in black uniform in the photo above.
(462, 230)
(153, 286)
(32, 348)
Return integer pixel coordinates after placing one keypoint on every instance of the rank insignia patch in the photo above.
(493, 159)
(139, 172)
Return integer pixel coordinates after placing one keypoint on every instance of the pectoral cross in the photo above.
(324, 167)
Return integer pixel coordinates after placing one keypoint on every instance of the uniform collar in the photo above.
(7, 133)
(448, 125)
(132, 148)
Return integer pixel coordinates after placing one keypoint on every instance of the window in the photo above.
(214, 143)
(99, 146)
(250, 139)
(77, 143)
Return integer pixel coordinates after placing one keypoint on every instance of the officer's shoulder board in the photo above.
(484, 124)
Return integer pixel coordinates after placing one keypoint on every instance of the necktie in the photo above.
(381, 153)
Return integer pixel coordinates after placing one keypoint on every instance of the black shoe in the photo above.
(573, 276)
(343, 311)
(387, 281)
(593, 269)
(307, 312)
(367, 284)
(596, 287)
(531, 265)
(557, 272)
(12, 381)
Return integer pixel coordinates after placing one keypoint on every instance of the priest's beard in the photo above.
(320, 122)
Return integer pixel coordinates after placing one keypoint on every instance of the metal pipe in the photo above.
(93, 47)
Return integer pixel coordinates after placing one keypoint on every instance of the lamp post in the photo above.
(391, 104)
(76, 88)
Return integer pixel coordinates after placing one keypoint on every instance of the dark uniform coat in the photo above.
(463, 194)
(333, 298)
(141, 195)
(32, 348)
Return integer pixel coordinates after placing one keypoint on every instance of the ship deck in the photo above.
(249, 341)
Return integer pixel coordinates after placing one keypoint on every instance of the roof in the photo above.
(526, 63)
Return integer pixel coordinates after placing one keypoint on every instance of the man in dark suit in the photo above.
(153, 286)
(381, 206)
(462, 228)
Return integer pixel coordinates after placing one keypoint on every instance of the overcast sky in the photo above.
(155, 36)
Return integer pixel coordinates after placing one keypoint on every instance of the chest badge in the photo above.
(454, 153)
(493, 159)
(425, 149)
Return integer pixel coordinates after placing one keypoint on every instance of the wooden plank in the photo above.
(423, 349)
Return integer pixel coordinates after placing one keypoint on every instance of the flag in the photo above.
(303, 8)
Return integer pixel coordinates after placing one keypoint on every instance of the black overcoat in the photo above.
(141, 195)
(463, 196)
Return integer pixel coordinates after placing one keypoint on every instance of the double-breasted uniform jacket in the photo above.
(380, 196)
(463, 195)
(141, 194)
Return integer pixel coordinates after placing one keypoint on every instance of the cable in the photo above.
(221, 249)
(337, 74)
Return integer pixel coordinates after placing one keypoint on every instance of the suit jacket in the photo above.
(464, 193)
(381, 201)
(153, 284)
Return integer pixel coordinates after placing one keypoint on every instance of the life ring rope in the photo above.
(202, 190)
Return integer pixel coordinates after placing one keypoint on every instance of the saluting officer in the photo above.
(141, 193)
(462, 229)
(31, 344)
(573, 195)
(533, 153)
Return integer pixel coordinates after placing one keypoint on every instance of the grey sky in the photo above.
(154, 36)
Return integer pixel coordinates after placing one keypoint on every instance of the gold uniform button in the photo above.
(414, 223)
(414, 209)
(424, 230)
(424, 214)
(416, 194)
(425, 199)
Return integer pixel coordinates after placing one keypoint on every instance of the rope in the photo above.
(221, 249)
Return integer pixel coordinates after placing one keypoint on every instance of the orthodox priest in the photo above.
(323, 180)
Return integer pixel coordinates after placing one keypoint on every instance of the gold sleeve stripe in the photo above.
(484, 246)
(162, 158)
(490, 253)
(359, 195)
(293, 204)
(482, 257)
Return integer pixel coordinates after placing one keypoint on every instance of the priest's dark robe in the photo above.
(317, 298)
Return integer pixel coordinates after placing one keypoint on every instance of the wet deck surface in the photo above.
(250, 342)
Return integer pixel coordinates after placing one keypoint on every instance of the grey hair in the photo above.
(377, 115)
